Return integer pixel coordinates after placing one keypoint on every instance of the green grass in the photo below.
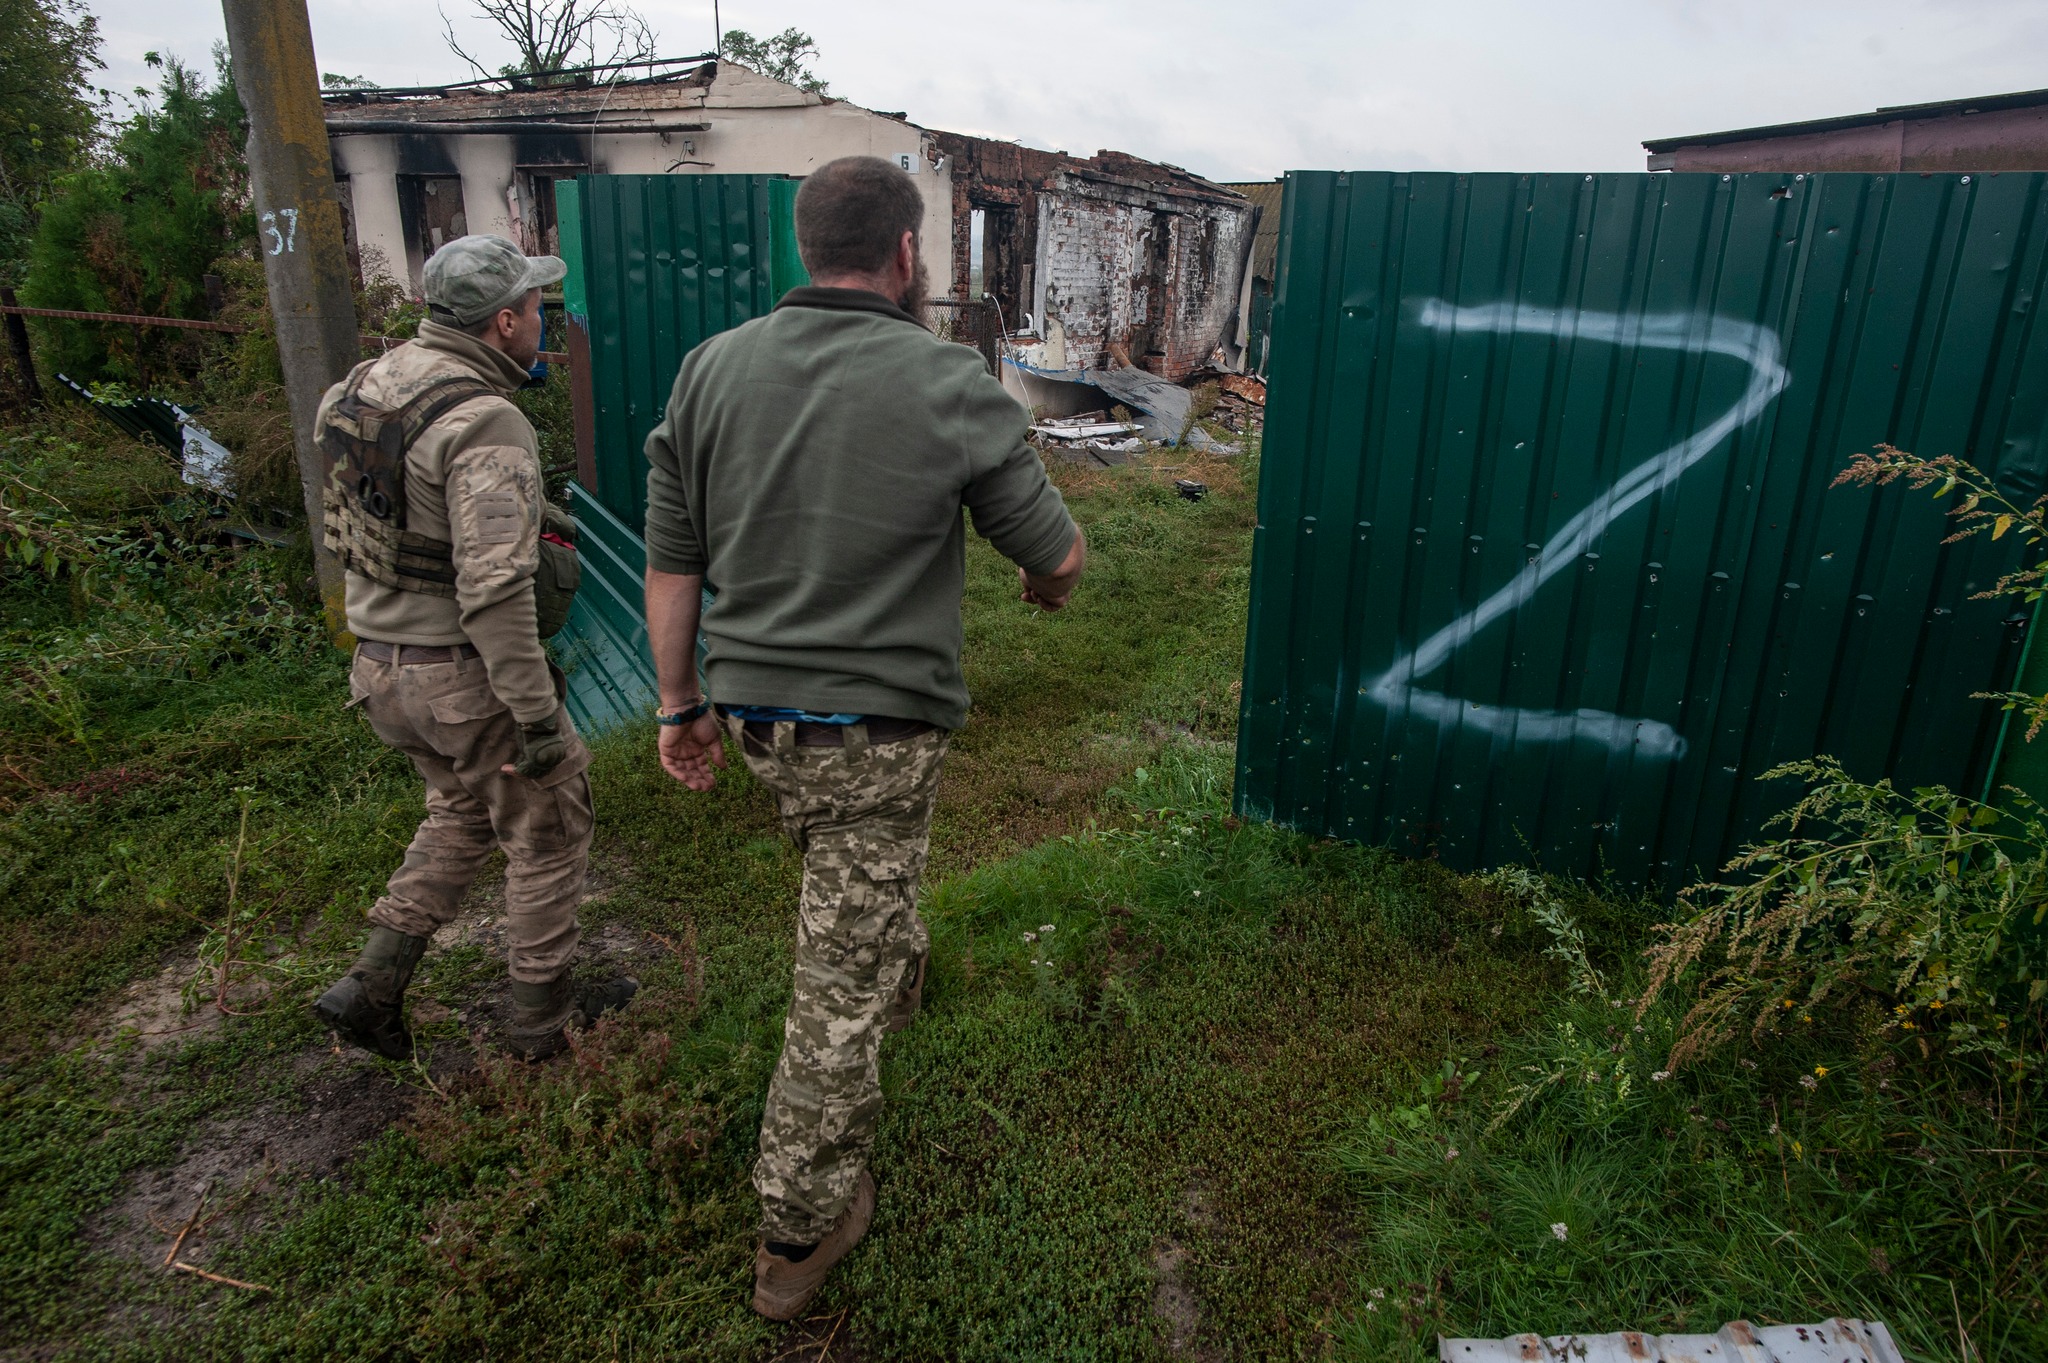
(1206, 1116)
(1566, 1179)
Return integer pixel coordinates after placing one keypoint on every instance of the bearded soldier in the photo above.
(457, 569)
(812, 466)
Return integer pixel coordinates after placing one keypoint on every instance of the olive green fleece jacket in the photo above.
(472, 479)
(812, 465)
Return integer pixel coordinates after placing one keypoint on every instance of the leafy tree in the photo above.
(49, 111)
(139, 232)
(332, 80)
(786, 57)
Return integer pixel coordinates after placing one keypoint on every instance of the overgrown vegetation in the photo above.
(1185, 1087)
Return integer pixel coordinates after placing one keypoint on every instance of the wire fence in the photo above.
(970, 323)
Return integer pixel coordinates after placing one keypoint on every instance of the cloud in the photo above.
(1234, 90)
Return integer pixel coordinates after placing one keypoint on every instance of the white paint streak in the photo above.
(1756, 346)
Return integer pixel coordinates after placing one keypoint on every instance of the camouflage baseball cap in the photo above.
(474, 276)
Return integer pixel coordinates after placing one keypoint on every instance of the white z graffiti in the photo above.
(1756, 346)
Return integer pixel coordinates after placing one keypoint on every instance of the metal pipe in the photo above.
(130, 318)
(291, 179)
(343, 127)
(373, 94)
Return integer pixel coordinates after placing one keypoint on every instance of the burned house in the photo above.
(421, 166)
(1095, 262)
(1105, 261)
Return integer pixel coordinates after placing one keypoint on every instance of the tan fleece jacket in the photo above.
(473, 478)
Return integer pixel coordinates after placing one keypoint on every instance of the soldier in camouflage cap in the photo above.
(811, 467)
(436, 507)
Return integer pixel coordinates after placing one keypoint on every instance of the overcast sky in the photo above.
(1247, 90)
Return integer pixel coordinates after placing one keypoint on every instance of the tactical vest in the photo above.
(363, 503)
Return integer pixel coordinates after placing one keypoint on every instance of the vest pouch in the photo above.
(558, 574)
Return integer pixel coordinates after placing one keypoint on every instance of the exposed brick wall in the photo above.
(1129, 256)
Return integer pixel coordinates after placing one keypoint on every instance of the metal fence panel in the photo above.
(665, 261)
(657, 263)
(1547, 565)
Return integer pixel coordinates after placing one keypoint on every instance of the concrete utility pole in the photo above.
(298, 225)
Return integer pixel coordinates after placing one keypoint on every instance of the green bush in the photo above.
(1918, 912)
(138, 232)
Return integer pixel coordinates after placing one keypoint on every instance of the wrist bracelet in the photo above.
(688, 715)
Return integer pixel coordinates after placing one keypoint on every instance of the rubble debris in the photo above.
(1841, 1340)
(1190, 489)
(1199, 439)
(206, 460)
(1243, 386)
(1083, 428)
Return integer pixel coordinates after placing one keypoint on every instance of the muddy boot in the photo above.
(911, 996)
(786, 1277)
(367, 1005)
(544, 1014)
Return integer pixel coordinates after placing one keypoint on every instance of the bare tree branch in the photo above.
(554, 35)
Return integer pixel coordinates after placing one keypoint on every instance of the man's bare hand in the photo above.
(1050, 591)
(690, 751)
(1032, 596)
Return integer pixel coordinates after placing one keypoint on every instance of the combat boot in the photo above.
(544, 1014)
(367, 1005)
(783, 1286)
(911, 996)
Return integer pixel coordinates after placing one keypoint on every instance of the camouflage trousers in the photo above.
(861, 815)
(449, 721)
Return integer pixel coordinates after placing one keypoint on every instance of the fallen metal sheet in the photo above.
(1841, 1340)
(1062, 430)
(1161, 407)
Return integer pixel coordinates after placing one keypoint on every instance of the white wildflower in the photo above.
(1450, 1154)
(1372, 1306)
(1661, 1075)
(1378, 1292)
(1560, 1230)
(1045, 928)
(1807, 1081)
(1198, 894)
(1030, 936)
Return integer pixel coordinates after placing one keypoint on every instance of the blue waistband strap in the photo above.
(770, 714)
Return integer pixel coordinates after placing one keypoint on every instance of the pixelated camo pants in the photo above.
(861, 815)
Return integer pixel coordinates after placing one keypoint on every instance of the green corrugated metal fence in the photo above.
(1547, 564)
(666, 261)
(657, 263)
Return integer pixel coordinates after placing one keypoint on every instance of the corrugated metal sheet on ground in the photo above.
(603, 648)
(1840, 1340)
(663, 262)
(1547, 565)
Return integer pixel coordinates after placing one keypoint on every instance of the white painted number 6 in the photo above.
(286, 240)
